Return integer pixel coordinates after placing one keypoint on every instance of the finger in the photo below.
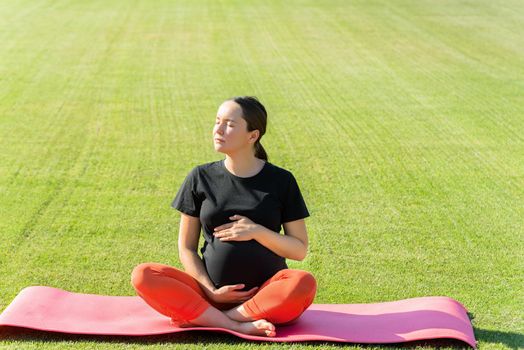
(224, 233)
(228, 237)
(221, 227)
(238, 294)
(236, 286)
(247, 294)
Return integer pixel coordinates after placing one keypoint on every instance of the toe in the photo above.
(270, 333)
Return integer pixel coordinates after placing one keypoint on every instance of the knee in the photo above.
(298, 298)
(139, 275)
(306, 285)
(302, 289)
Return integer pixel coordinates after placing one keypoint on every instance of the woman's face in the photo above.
(230, 130)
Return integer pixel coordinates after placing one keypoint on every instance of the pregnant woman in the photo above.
(242, 281)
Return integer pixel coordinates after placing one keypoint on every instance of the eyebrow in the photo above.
(231, 120)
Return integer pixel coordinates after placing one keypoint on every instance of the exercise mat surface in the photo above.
(57, 310)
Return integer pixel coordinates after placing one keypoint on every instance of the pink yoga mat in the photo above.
(57, 310)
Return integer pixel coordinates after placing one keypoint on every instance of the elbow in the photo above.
(181, 256)
(183, 253)
(300, 257)
(300, 253)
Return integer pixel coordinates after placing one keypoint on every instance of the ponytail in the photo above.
(260, 152)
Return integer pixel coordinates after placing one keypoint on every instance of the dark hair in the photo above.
(255, 115)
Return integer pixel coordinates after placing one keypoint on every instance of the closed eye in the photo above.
(231, 125)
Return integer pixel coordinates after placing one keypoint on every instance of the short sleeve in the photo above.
(187, 199)
(294, 206)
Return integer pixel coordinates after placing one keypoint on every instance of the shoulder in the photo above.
(205, 169)
(279, 171)
(283, 177)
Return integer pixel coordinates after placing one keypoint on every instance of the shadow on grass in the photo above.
(200, 338)
(512, 340)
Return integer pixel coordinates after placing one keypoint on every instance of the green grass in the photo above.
(403, 122)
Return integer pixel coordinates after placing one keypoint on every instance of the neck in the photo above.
(243, 164)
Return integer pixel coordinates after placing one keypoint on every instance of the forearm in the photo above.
(283, 245)
(194, 266)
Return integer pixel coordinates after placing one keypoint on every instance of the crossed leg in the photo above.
(176, 294)
(280, 300)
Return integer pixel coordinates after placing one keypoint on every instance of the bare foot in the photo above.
(238, 314)
(212, 317)
(258, 327)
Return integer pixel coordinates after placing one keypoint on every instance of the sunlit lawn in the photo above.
(401, 120)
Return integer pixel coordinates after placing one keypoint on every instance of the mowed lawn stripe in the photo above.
(402, 122)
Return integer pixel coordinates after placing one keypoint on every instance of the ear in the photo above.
(254, 135)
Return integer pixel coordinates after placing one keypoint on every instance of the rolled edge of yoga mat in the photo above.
(422, 318)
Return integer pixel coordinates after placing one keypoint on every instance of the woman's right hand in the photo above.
(232, 294)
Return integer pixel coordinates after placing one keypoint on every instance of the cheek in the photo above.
(231, 133)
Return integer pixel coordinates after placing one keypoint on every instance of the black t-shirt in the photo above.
(269, 198)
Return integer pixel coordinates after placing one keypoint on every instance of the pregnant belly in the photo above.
(246, 262)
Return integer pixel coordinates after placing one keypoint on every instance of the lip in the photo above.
(220, 140)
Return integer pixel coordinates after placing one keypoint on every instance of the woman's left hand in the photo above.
(242, 229)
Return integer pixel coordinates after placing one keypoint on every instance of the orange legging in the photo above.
(176, 294)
